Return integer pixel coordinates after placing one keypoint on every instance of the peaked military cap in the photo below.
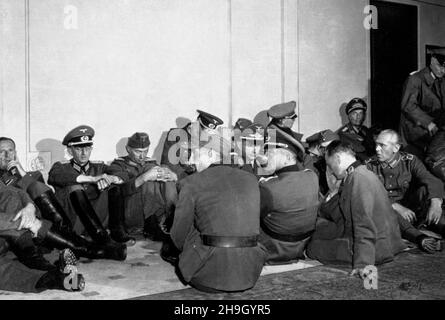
(440, 58)
(242, 123)
(356, 104)
(282, 142)
(253, 132)
(283, 110)
(139, 140)
(81, 135)
(322, 137)
(208, 120)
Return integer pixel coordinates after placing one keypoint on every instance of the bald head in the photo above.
(387, 145)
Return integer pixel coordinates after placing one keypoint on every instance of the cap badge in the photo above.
(211, 126)
(84, 138)
(83, 130)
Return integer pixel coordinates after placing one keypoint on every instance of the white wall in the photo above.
(145, 65)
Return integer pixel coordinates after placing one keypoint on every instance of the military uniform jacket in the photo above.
(20, 182)
(358, 225)
(289, 205)
(129, 170)
(181, 169)
(370, 221)
(361, 141)
(404, 173)
(64, 174)
(219, 201)
(12, 200)
(421, 105)
(289, 201)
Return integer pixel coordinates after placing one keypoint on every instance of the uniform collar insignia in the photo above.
(79, 168)
(392, 163)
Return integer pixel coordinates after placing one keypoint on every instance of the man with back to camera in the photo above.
(216, 222)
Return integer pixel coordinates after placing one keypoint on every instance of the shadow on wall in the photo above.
(120, 147)
(344, 116)
(49, 152)
(121, 151)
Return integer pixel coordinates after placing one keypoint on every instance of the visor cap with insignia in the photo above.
(208, 121)
(439, 54)
(254, 132)
(79, 136)
(139, 140)
(242, 123)
(356, 104)
(282, 142)
(283, 110)
(322, 137)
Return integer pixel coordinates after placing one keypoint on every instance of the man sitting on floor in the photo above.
(289, 204)
(216, 222)
(22, 266)
(416, 194)
(358, 224)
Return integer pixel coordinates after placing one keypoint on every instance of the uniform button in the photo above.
(269, 215)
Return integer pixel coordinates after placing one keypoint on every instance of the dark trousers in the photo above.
(14, 276)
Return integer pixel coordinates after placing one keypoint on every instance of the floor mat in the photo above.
(143, 273)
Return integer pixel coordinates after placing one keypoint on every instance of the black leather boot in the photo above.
(51, 210)
(66, 277)
(116, 218)
(87, 250)
(28, 253)
(169, 252)
(85, 211)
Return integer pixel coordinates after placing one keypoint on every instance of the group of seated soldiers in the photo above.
(222, 205)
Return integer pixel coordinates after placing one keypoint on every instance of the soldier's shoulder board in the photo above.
(119, 159)
(263, 180)
(97, 162)
(64, 162)
(371, 160)
(407, 156)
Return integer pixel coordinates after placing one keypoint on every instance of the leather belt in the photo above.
(285, 237)
(229, 242)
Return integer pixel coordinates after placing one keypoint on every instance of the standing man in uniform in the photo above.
(423, 105)
(354, 132)
(177, 146)
(82, 186)
(416, 194)
(216, 223)
(289, 204)
(358, 224)
(148, 192)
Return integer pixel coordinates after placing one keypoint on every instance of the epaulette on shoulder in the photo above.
(97, 162)
(65, 162)
(263, 180)
(371, 160)
(150, 160)
(119, 159)
(407, 156)
(414, 72)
